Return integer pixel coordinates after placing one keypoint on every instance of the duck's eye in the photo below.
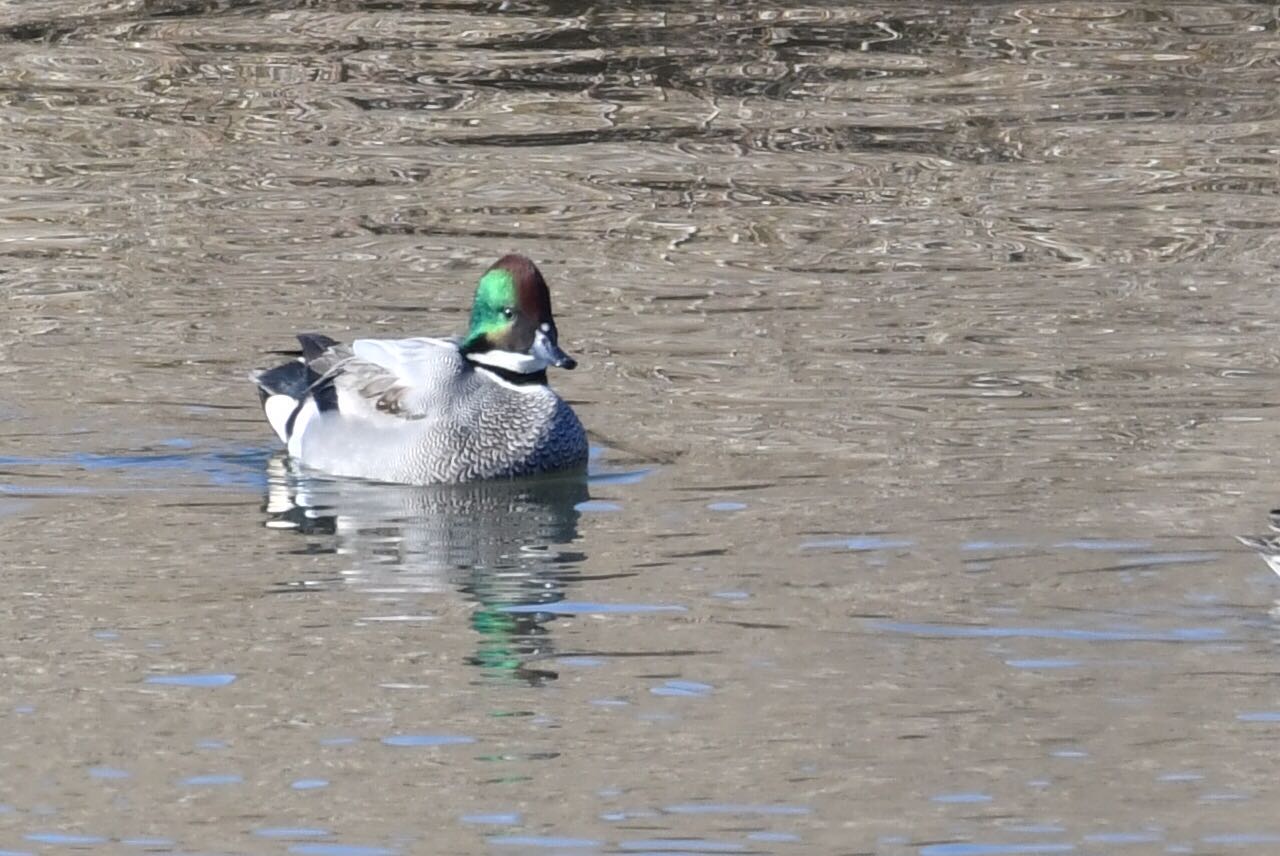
(508, 312)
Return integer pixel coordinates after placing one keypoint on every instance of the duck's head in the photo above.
(511, 324)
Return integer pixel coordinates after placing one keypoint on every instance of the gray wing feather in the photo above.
(403, 389)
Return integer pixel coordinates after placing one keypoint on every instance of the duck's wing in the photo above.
(417, 361)
(397, 377)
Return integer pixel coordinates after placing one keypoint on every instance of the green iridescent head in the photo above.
(512, 314)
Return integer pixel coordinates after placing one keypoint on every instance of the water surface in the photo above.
(928, 353)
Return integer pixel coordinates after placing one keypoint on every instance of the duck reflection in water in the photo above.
(496, 542)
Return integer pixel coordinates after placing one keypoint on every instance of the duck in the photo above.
(429, 410)
(1266, 546)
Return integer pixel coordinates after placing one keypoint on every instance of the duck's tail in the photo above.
(287, 389)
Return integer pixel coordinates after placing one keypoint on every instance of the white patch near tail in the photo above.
(309, 410)
(278, 409)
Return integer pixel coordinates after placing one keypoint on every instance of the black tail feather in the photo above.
(292, 379)
(315, 344)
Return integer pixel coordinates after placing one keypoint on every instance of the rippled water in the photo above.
(928, 353)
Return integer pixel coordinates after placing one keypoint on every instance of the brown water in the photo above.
(928, 351)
